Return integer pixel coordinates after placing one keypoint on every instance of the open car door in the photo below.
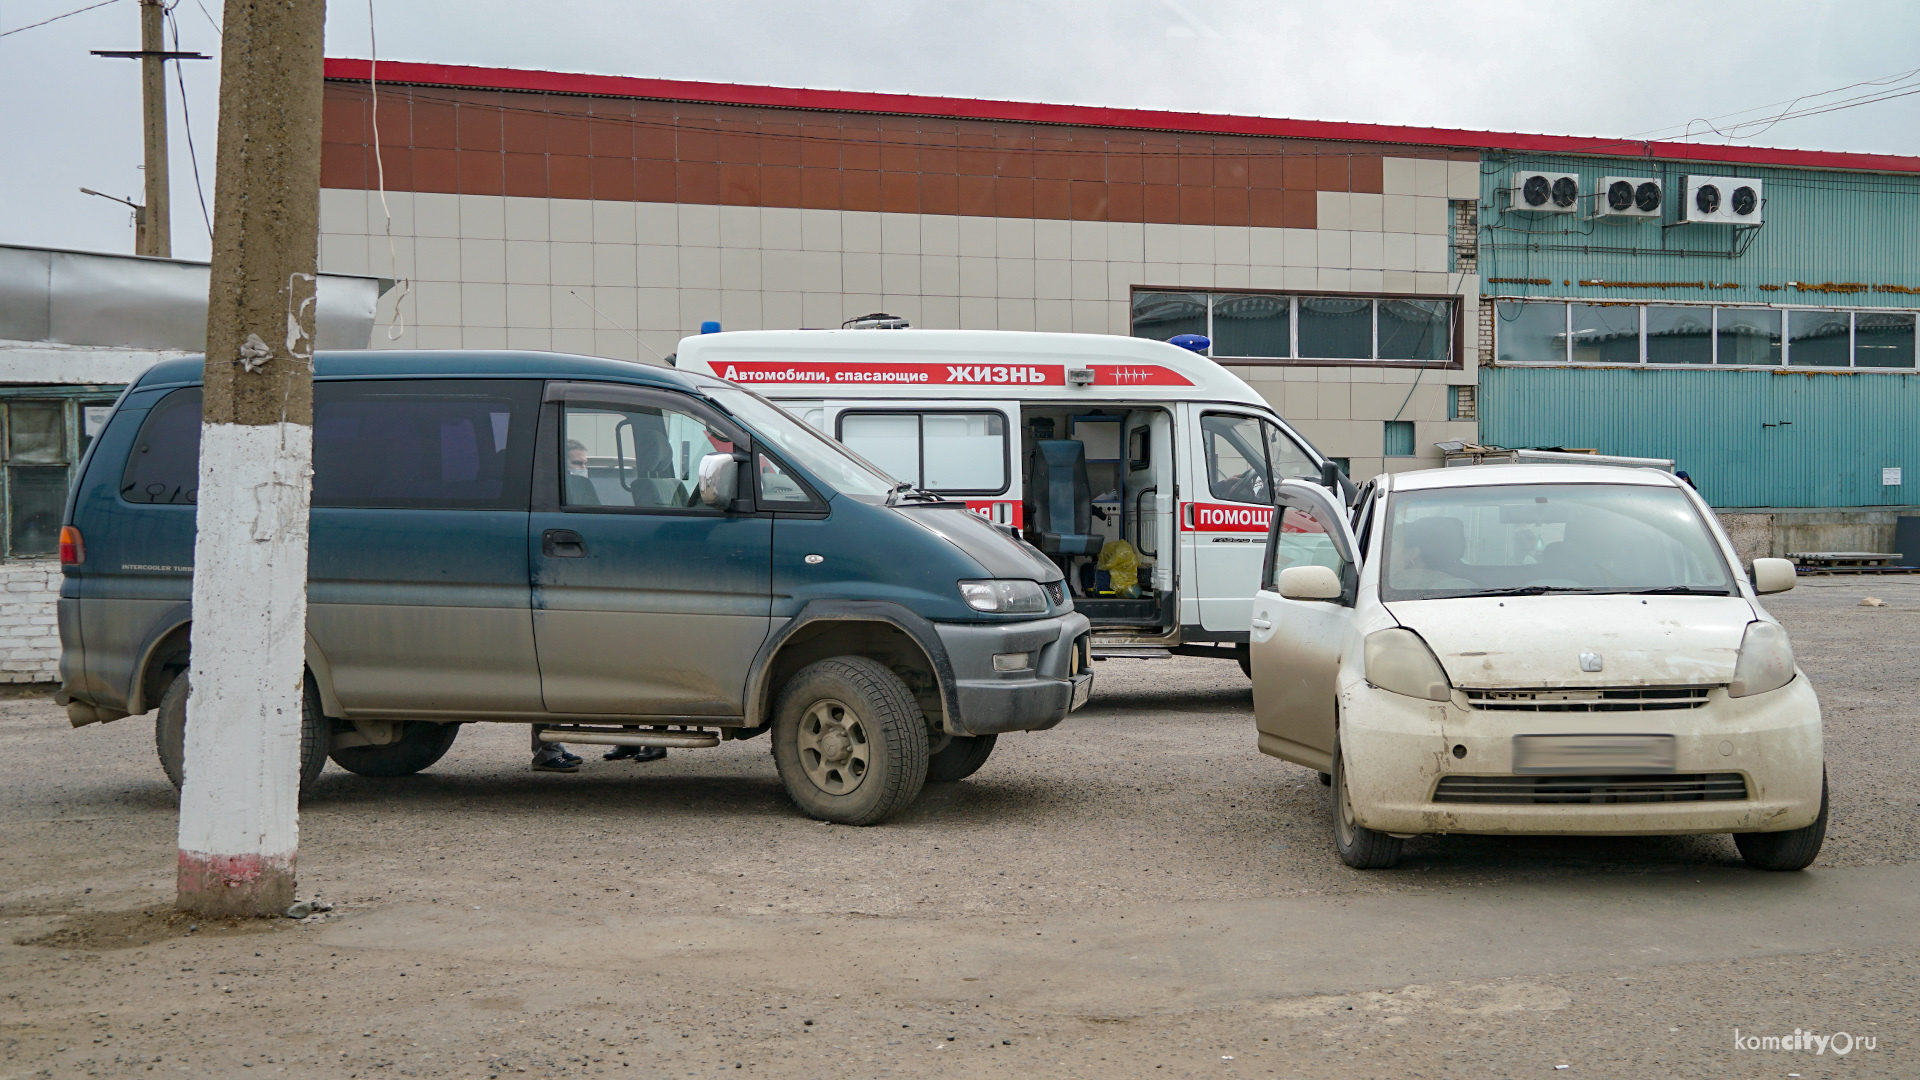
(1296, 644)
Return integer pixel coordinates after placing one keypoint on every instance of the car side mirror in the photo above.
(1309, 583)
(719, 480)
(1772, 575)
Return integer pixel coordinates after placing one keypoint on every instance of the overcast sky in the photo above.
(1613, 68)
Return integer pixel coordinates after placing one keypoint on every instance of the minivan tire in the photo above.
(1794, 849)
(850, 741)
(960, 758)
(421, 743)
(170, 733)
(1359, 847)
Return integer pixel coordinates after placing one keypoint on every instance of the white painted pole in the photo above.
(239, 805)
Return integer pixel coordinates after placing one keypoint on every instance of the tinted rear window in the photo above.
(452, 444)
(164, 466)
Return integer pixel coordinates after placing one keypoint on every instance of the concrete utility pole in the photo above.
(239, 806)
(153, 103)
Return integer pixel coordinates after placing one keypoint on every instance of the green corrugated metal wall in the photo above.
(1834, 432)
(1840, 430)
(1820, 227)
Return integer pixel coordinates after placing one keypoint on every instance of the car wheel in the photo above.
(961, 758)
(850, 741)
(421, 743)
(1794, 849)
(170, 733)
(1359, 847)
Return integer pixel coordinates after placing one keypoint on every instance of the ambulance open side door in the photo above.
(964, 449)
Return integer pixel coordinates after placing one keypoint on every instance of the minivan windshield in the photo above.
(1525, 539)
(801, 445)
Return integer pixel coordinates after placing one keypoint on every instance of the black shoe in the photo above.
(650, 753)
(619, 753)
(552, 761)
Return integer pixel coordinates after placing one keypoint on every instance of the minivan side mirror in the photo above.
(1309, 583)
(719, 480)
(1772, 575)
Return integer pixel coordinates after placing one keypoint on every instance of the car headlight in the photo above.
(1766, 661)
(1011, 597)
(1397, 660)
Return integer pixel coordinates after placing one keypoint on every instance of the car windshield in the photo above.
(801, 445)
(1521, 539)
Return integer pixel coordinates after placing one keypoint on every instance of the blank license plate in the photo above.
(1593, 753)
(1082, 690)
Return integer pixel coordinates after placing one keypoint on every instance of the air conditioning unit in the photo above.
(1628, 197)
(1726, 200)
(1544, 193)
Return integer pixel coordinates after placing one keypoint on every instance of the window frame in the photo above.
(1783, 312)
(73, 401)
(920, 425)
(1452, 301)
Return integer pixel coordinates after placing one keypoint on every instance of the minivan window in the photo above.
(802, 445)
(645, 457)
(443, 444)
(164, 466)
(1513, 539)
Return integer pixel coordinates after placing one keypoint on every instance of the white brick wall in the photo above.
(29, 622)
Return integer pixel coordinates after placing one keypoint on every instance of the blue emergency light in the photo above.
(1199, 343)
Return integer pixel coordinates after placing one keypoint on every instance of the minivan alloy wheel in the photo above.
(834, 747)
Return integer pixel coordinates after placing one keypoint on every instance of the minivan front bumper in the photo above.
(1031, 699)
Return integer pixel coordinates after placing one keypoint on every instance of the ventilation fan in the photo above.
(1628, 197)
(1726, 200)
(1544, 193)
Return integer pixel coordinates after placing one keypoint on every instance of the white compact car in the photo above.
(1546, 649)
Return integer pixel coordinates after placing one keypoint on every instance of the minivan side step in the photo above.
(1130, 652)
(620, 736)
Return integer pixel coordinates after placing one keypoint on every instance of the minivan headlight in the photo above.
(1397, 660)
(1010, 597)
(1766, 661)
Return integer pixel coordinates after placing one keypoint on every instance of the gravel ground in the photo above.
(1138, 892)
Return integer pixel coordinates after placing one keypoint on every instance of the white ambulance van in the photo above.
(1076, 440)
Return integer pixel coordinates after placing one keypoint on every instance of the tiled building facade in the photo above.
(615, 216)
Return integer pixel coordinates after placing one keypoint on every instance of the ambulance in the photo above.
(1107, 453)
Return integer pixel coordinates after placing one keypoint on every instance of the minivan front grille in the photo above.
(1057, 592)
(1544, 790)
(1589, 699)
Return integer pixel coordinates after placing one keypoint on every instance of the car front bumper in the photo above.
(1033, 699)
(1396, 751)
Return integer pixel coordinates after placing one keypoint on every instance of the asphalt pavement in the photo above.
(1136, 893)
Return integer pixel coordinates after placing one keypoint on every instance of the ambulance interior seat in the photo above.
(1062, 498)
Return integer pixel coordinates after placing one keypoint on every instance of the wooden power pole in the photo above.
(153, 103)
(239, 805)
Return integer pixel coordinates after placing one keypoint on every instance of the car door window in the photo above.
(635, 457)
(1305, 539)
(1236, 458)
(442, 444)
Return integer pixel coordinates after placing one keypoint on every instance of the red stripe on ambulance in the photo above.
(836, 373)
(1226, 517)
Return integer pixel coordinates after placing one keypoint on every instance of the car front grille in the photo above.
(1589, 700)
(1547, 790)
(1057, 592)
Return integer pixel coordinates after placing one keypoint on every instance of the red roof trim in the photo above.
(561, 82)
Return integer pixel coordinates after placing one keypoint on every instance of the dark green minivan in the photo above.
(615, 552)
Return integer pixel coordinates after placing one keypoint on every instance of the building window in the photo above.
(1398, 439)
(1282, 326)
(1558, 332)
(45, 438)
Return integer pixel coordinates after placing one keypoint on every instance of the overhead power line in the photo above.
(57, 18)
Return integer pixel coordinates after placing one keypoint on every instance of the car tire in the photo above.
(170, 733)
(421, 743)
(850, 741)
(1794, 849)
(962, 757)
(1359, 847)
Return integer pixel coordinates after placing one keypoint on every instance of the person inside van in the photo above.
(1429, 552)
(579, 489)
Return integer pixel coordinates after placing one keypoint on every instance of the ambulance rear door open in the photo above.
(965, 449)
